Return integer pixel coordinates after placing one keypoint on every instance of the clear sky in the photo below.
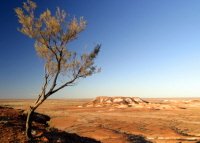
(149, 49)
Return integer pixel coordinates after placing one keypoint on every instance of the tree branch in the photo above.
(43, 87)
(57, 74)
(48, 45)
(66, 84)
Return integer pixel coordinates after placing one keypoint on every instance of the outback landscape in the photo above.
(144, 55)
(120, 119)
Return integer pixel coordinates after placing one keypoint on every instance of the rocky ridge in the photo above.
(120, 102)
(126, 102)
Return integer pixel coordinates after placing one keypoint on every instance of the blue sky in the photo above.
(149, 49)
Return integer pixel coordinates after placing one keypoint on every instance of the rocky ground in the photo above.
(123, 119)
(12, 129)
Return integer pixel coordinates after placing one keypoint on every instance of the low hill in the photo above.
(104, 101)
(125, 102)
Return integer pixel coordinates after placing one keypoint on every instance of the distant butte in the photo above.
(120, 102)
(126, 102)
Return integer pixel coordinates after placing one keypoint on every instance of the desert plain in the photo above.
(159, 120)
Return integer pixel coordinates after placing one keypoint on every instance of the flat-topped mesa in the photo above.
(103, 101)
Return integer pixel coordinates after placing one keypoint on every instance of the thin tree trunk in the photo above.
(29, 123)
(30, 115)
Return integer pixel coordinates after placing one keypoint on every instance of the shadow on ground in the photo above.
(136, 139)
(56, 136)
(12, 130)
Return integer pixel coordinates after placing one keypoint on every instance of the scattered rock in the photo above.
(33, 132)
(44, 139)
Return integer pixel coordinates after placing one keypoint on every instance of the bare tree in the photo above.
(52, 33)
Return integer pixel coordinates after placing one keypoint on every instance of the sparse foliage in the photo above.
(52, 33)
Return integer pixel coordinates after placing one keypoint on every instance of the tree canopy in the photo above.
(52, 33)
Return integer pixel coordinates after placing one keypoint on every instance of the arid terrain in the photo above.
(120, 120)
